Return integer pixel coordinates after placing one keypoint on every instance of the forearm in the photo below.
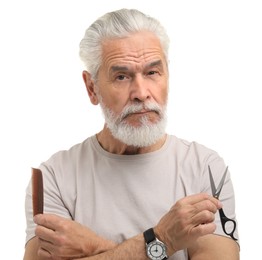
(214, 247)
(89, 247)
(133, 248)
(96, 245)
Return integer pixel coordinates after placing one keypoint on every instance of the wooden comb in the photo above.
(37, 192)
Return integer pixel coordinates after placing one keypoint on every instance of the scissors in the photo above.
(216, 192)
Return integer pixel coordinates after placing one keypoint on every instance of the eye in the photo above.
(153, 72)
(121, 77)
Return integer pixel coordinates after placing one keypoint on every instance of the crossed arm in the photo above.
(188, 225)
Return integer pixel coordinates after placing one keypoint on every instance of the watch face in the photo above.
(156, 250)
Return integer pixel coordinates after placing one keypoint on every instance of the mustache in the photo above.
(136, 108)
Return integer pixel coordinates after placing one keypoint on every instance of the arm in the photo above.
(184, 233)
(31, 249)
(214, 247)
(63, 239)
(207, 247)
(134, 247)
(130, 249)
(179, 228)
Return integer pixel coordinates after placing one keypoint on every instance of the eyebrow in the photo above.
(118, 68)
(154, 63)
(125, 68)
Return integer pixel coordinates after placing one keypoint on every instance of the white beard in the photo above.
(146, 134)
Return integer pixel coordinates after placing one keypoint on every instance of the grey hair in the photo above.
(117, 24)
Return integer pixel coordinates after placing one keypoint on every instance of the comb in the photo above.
(37, 192)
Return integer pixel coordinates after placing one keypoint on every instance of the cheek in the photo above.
(165, 97)
(115, 102)
(161, 95)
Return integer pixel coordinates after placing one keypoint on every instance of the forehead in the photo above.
(134, 50)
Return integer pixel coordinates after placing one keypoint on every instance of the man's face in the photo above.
(133, 86)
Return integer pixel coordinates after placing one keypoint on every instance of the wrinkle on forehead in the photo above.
(138, 49)
(154, 63)
(143, 56)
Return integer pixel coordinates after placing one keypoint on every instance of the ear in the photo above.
(90, 87)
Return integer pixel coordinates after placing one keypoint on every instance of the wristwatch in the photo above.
(155, 249)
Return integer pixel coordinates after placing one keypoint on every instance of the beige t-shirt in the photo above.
(120, 196)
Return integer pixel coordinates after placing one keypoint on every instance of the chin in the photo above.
(139, 136)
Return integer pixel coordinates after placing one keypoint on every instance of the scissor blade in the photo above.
(220, 186)
(212, 183)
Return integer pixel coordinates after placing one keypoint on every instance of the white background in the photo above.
(215, 98)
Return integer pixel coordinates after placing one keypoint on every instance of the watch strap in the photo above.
(149, 235)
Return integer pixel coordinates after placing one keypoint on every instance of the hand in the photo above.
(190, 218)
(64, 239)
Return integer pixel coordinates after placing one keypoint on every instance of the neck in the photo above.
(113, 145)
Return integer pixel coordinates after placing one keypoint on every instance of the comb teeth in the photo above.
(37, 191)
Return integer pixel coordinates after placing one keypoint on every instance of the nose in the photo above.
(139, 89)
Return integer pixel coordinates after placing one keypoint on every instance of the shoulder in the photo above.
(71, 154)
(192, 149)
(66, 162)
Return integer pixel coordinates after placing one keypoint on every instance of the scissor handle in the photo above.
(224, 220)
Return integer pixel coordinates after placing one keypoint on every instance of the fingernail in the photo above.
(36, 218)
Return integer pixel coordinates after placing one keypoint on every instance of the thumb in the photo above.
(37, 218)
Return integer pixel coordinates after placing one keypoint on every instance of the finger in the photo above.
(196, 198)
(203, 217)
(57, 251)
(205, 205)
(203, 229)
(43, 254)
(47, 246)
(49, 221)
(45, 233)
(218, 204)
